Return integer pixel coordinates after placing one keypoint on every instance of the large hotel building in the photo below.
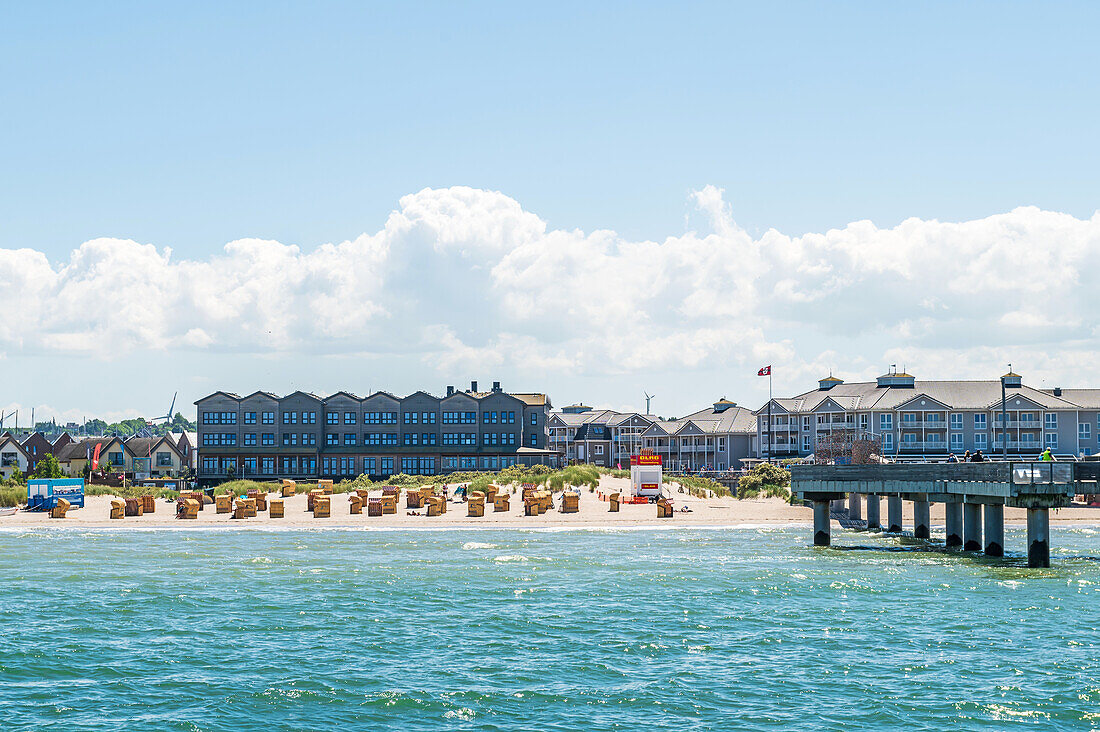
(305, 436)
(930, 419)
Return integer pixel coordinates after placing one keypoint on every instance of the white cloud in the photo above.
(465, 278)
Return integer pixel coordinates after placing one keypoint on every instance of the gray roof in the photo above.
(953, 394)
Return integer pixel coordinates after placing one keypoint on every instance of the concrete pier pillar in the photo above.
(874, 523)
(893, 514)
(953, 511)
(838, 505)
(994, 530)
(854, 507)
(821, 523)
(921, 519)
(972, 527)
(1038, 537)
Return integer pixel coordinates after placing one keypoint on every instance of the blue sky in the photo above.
(191, 125)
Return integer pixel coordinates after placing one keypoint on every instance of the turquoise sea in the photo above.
(541, 630)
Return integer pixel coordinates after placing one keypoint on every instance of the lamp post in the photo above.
(1004, 419)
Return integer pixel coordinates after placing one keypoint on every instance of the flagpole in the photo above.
(771, 428)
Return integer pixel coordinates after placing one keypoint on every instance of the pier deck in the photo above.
(967, 489)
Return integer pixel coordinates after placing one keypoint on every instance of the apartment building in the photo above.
(306, 436)
(931, 419)
(716, 438)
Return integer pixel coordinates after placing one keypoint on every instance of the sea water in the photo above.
(682, 629)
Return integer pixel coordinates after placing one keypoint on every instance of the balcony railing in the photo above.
(924, 445)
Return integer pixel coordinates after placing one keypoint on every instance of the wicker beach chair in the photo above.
(223, 503)
(355, 503)
(322, 507)
(613, 503)
(500, 504)
(58, 511)
(118, 508)
(148, 504)
(275, 508)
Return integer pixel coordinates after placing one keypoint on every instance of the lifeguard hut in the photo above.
(42, 493)
(645, 474)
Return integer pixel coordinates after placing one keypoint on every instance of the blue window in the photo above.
(350, 418)
(250, 439)
(309, 417)
(387, 466)
(250, 418)
(332, 439)
(332, 418)
(349, 438)
(886, 421)
(428, 417)
(534, 419)
(309, 439)
(980, 422)
(534, 442)
(267, 439)
(290, 418)
(412, 417)
(269, 418)
(369, 465)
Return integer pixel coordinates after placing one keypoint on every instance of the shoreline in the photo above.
(713, 513)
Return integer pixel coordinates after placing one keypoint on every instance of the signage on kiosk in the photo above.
(645, 475)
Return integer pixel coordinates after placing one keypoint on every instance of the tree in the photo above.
(17, 476)
(47, 467)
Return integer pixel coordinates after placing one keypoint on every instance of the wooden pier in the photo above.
(967, 489)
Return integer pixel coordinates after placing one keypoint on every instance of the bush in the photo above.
(12, 495)
(47, 467)
(765, 479)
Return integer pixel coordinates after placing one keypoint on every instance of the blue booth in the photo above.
(42, 493)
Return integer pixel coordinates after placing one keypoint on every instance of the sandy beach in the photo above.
(593, 513)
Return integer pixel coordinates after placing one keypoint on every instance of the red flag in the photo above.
(765, 371)
(95, 455)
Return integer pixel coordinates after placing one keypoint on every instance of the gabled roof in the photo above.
(915, 401)
(347, 394)
(1083, 398)
(308, 394)
(262, 393)
(387, 394)
(9, 441)
(228, 394)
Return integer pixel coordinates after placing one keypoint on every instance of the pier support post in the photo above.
(972, 527)
(994, 530)
(821, 523)
(921, 519)
(853, 506)
(838, 505)
(893, 514)
(874, 523)
(1038, 537)
(953, 512)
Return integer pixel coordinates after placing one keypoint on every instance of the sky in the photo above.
(594, 200)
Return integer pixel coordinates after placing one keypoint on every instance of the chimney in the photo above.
(1057, 391)
(473, 386)
(496, 386)
(450, 391)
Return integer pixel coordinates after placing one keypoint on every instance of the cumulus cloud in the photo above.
(461, 277)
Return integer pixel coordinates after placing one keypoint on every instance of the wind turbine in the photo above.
(648, 399)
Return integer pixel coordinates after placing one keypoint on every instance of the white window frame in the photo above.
(955, 420)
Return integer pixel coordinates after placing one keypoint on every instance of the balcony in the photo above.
(927, 424)
(1024, 424)
(1018, 445)
(925, 445)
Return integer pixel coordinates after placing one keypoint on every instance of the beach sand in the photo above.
(593, 513)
